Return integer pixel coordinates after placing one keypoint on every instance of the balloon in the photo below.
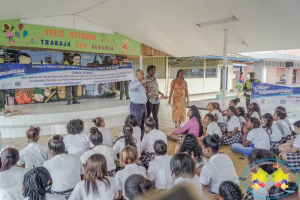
(25, 33)
(17, 34)
(21, 27)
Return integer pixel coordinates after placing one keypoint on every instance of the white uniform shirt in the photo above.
(11, 182)
(104, 192)
(213, 128)
(296, 142)
(242, 120)
(195, 182)
(220, 117)
(65, 170)
(137, 134)
(276, 134)
(120, 145)
(34, 154)
(288, 122)
(218, 169)
(259, 138)
(160, 171)
(283, 127)
(122, 175)
(150, 138)
(106, 151)
(256, 115)
(233, 123)
(51, 197)
(107, 136)
(77, 144)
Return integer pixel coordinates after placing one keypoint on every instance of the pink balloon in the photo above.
(21, 27)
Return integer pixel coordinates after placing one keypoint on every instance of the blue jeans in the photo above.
(241, 149)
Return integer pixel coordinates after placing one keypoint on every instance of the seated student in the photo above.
(96, 183)
(255, 137)
(108, 152)
(137, 187)
(233, 103)
(254, 111)
(183, 170)
(148, 141)
(219, 168)
(242, 116)
(190, 145)
(290, 151)
(76, 142)
(214, 109)
(125, 140)
(106, 133)
(37, 185)
(192, 126)
(159, 171)
(11, 176)
(209, 127)
(290, 193)
(233, 128)
(273, 132)
(279, 116)
(128, 159)
(65, 169)
(255, 156)
(286, 120)
(230, 191)
(34, 154)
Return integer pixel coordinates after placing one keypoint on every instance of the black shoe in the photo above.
(76, 102)
(121, 99)
(169, 138)
(127, 98)
(69, 103)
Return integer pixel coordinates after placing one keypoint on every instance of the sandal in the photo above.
(171, 139)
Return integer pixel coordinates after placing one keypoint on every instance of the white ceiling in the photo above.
(169, 25)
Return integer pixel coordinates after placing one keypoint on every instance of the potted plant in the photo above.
(239, 87)
(219, 95)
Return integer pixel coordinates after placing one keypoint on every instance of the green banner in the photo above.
(17, 34)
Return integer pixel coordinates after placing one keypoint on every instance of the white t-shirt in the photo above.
(51, 197)
(65, 170)
(106, 151)
(288, 122)
(218, 169)
(34, 154)
(77, 144)
(242, 120)
(276, 134)
(296, 142)
(120, 145)
(104, 192)
(195, 182)
(137, 136)
(220, 117)
(233, 123)
(150, 138)
(283, 127)
(213, 128)
(122, 175)
(160, 171)
(11, 182)
(259, 138)
(107, 136)
(255, 114)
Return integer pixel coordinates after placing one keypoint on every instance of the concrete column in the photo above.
(141, 62)
(288, 78)
(259, 71)
(167, 77)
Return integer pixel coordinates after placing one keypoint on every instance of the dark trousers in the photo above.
(124, 88)
(2, 99)
(153, 108)
(140, 112)
(74, 93)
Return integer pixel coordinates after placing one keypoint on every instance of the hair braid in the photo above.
(234, 192)
(230, 191)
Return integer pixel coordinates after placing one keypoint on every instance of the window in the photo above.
(211, 73)
(193, 73)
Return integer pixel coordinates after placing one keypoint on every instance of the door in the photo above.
(294, 76)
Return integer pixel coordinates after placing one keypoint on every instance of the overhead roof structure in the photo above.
(170, 25)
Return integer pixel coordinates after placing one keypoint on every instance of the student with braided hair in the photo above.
(106, 133)
(125, 140)
(34, 154)
(37, 185)
(11, 176)
(230, 191)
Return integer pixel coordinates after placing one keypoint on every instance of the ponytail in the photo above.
(230, 190)
(268, 126)
(129, 140)
(10, 156)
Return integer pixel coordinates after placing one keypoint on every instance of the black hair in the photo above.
(228, 190)
(210, 117)
(255, 122)
(236, 101)
(281, 114)
(77, 54)
(268, 126)
(196, 114)
(179, 72)
(10, 156)
(213, 142)
(256, 108)
(217, 106)
(281, 108)
(131, 119)
(57, 144)
(287, 193)
(233, 109)
(297, 123)
(182, 165)
(129, 140)
(190, 144)
(150, 122)
(150, 67)
(33, 132)
(262, 154)
(75, 126)
(242, 112)
(96, 136)
(137, 186)
(37, 183)
(160, 147)
(22, 54)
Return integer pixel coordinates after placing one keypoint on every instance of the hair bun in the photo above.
(57, 138)
(94, 120)
(38, 129)
(237, 99)
(94, 130)
(216, 138)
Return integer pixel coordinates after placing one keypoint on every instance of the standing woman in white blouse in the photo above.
(11, 176)
(76, 142)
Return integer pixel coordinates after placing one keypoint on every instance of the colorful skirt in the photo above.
(236, 138)
(294, 160)
(145, 159)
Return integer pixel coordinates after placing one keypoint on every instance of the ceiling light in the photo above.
(233, 18)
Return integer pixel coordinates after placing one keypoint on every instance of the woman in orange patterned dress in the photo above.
(180, 98)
